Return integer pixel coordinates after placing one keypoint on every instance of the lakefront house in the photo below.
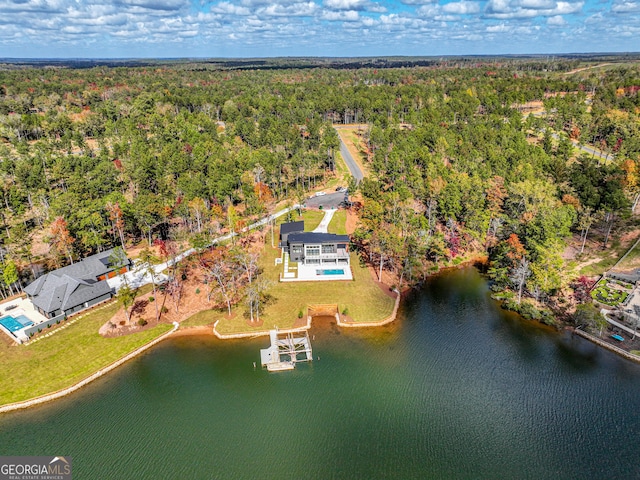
(313, 255)
(313, 248)
(77, 286)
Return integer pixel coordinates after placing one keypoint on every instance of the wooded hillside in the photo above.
(97, 157)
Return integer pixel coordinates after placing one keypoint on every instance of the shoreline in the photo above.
(607, 346)
(176, 332)
(203, 330)
(10, 407)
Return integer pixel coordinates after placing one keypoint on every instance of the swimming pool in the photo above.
(335, 271)
(14, 324)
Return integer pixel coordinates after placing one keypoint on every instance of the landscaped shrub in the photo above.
(151, 299)
(197, 291)
(622, 284)
(142, 322)
(608, 296)
(300, 313)
(164, 310)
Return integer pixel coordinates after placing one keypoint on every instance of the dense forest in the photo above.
(466, 156)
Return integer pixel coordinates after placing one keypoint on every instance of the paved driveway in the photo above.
(328, 201)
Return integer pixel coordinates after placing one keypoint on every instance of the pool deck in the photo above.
(17, 307)
(307, 273)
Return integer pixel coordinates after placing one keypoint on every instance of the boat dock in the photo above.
(285, 351)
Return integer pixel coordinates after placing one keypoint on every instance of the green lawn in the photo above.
(312, 218)
(338, 223)
(66, 357)
(206, 317)
(362, 298)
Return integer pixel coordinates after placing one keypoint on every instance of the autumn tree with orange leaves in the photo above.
(117, 221)
(61, 239)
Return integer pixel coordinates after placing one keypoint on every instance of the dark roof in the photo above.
(65, 292)
(291, 227)
(73, 285)
(315, 237)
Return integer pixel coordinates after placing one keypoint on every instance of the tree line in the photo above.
(103, 156)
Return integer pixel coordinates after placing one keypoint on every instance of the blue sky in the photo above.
(337, 28)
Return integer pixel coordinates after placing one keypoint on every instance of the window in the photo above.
(312, 251)
(329, 248)
(296, 249)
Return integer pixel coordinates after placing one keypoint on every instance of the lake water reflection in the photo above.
(455, 389)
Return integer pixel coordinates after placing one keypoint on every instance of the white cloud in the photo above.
(230, 9)
(313, 27)
(557, 21)
(349, 16)
(345, 4)
(536, 4)
(36, 6)
(502, 28)
(155, 4)
(625, 7)
(428, 11)
(418, 2)
(506, 9)
(262, 3)
(461, 8)
(296, 10)
(357, 5)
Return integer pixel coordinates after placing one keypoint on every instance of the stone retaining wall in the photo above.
(263, 333)
(389, 319)
(66, 391)
(608, 346)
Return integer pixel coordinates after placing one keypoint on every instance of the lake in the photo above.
(455, 388)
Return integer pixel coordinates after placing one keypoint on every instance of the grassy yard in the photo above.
(312, 218)
(361, 298)
(66, 357)
(338, 223)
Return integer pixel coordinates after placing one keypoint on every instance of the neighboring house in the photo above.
(77, 286)
(288, 228)
(324, 249)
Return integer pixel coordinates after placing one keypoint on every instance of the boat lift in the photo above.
(286, 350)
